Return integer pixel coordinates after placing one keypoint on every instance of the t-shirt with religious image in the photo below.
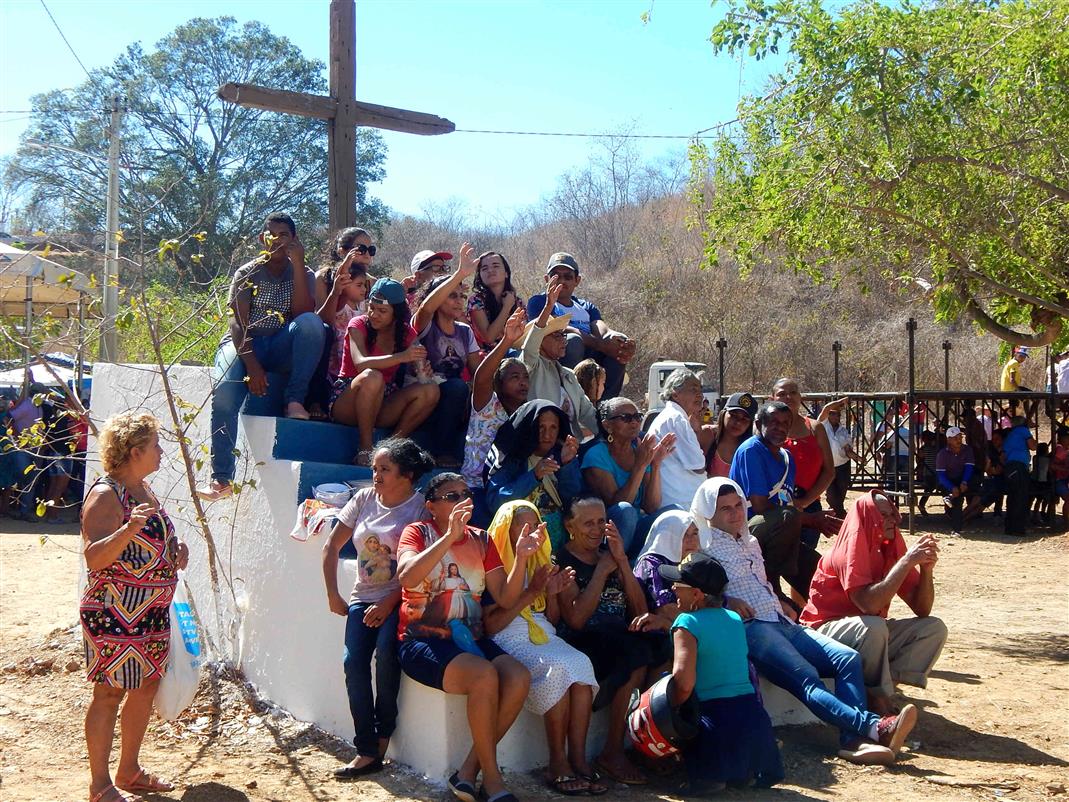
(452, 590)
(376, 533)
(448, 353)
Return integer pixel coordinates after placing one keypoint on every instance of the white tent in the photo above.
(39, 374)
(33, 286)
(27, 278)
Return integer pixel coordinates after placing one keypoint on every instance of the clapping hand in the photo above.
(569, 449)
(458, 519)
(540, 579)
(644, 451)
(615, 543)
(663, 448)
(530, 541)
(559, 579)
(515, 327)
(546, 465)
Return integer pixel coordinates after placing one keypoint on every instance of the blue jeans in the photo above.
(634, 525)
(294, 349)
(449, 421)
(374, 716)
(796, 657)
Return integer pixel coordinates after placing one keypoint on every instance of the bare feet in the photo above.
(296, 410)
(215, 490)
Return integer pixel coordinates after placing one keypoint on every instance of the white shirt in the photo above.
(839, 439)
(682, 471)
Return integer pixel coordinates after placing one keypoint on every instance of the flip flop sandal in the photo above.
(558, 784)
(99, 795)
(144, 782)
(594, 778)
(612, 775)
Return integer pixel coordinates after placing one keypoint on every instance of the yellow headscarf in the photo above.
(499, 533)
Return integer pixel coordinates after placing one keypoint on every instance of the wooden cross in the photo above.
(342, 111)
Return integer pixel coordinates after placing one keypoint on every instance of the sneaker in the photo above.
(893, 730)
(215, 491)
(866, 753)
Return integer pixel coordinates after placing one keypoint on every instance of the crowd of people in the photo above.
(570, 560)
(43, 438)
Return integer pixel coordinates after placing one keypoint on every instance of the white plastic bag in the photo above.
(179, 684)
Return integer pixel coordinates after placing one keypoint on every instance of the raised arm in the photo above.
(466, 267)
(482, 385)
(303, 299)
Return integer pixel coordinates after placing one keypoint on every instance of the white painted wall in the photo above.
(283, 635)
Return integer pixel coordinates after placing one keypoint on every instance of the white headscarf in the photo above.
(703, 507)
(666, 536)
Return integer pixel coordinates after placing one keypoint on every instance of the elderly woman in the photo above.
(672, 537)
(625, 470)
(534, 458)
(562, 679)
(373, 520)
(683, 470)
(132, 555)
(604, 615)
(444, 567)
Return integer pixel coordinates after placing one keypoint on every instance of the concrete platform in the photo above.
(272, 617)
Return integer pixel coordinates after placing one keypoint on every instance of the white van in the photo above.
(659, 373)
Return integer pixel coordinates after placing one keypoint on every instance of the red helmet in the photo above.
(656, 728)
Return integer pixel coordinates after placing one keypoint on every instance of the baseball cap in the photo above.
(388, 290)
(953, 431)
(561, 259)
(1022, 350)
(743, 402)
(698, 570)
(423, 257)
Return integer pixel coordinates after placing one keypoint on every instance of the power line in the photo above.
(67, 43)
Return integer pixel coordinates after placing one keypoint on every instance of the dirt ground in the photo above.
(993, 721)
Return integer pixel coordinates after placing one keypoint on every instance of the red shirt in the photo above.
(860, 556)
(452, 590)
(360, 323)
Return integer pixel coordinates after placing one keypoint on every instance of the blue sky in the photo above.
(584, 66)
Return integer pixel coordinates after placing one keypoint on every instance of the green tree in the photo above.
(925, 142)
(191, 162)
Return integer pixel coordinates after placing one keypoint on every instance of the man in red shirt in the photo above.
(849, 599)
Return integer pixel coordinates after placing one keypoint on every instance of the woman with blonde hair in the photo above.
(133, 556)
(562, 678)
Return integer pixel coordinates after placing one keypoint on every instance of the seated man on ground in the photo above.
(792, 656)
(764, 470)
(451, 349)
(587, 334)
(867, 566)
(954, 467)
(274, 328)
(550, 380)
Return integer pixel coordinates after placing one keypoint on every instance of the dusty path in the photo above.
(994, 720)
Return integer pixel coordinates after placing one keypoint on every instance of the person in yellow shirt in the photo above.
(1011, 373)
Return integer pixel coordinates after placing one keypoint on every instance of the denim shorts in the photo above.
(425, 659)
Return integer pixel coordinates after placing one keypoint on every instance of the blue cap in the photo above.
(388, 290)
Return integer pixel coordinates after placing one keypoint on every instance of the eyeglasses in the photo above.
(453, 496)
(361, 249)
(627, 417)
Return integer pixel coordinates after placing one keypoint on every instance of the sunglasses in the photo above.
(627, 417)
(361, 249)
(453, 496)
(433, 268)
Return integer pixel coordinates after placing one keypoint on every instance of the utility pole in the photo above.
(109, 344)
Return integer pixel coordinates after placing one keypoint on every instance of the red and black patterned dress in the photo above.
(125, 610)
